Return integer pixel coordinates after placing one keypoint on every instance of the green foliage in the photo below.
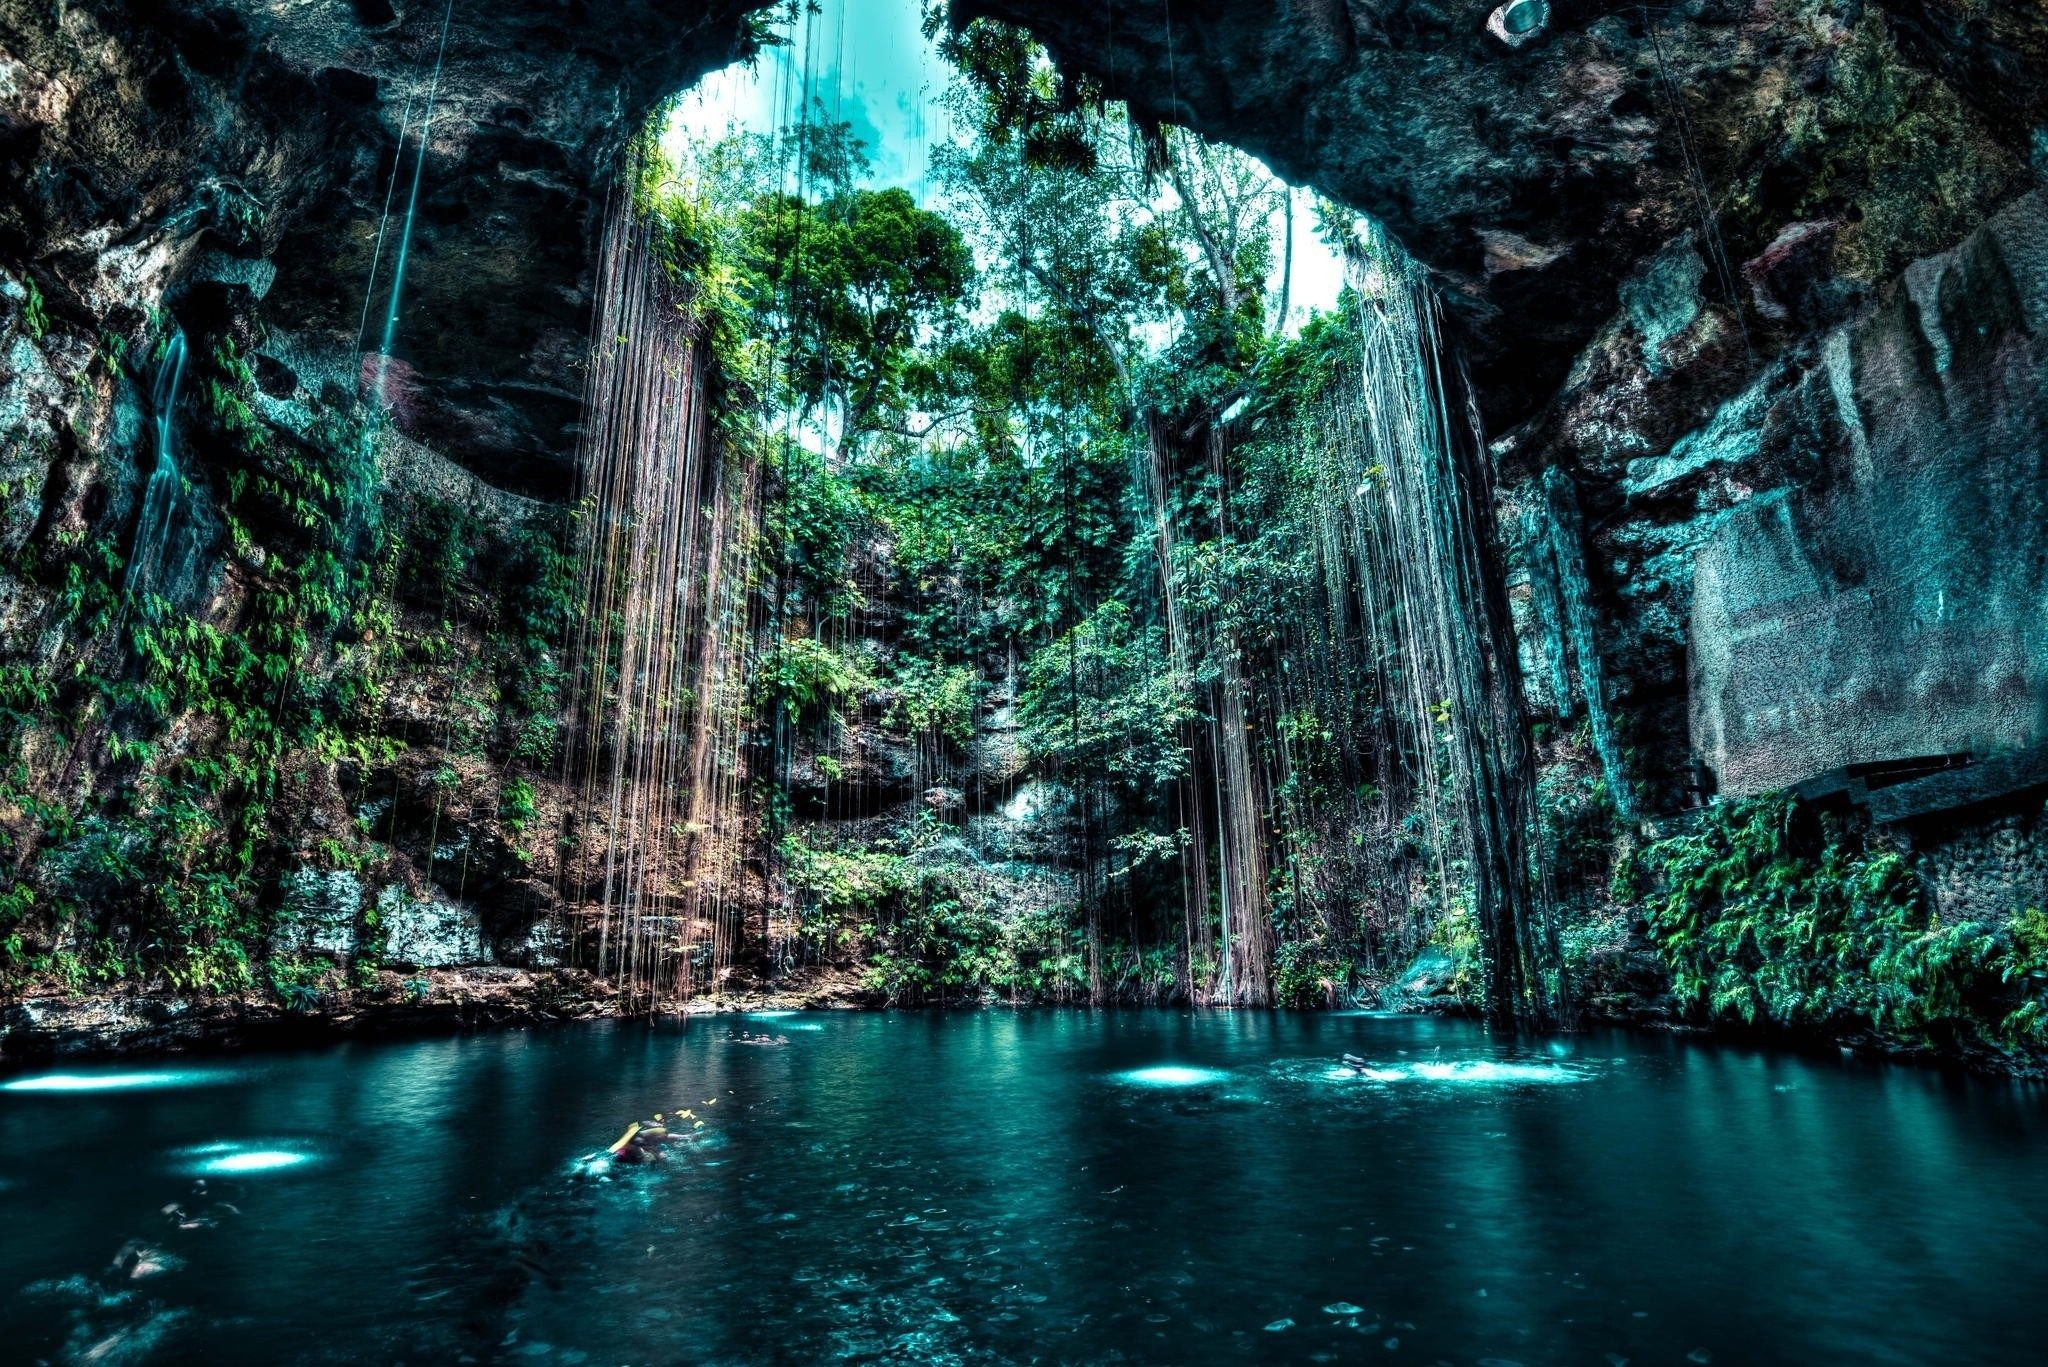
(164, 869)
(948, 942)
(1577, 820)
(172, 859)
(34, 315)
(299, 983)
(516, 806)
(813, 524)
(1105, 698)
(934, 699)
(1309, 973)
(1456, 935)
(1766, 912)
(841, 883)
(806, 675)
(928, 931)
(536, 587)
(852, 284)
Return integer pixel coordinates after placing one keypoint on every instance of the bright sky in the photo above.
(874, 69)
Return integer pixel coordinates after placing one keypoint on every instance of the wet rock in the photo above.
(1663, 301)
(540, 947)
(1428, 983)
(319, 914)
(140, 135)
(423, 932)
(1792, 279)
(1888, 612)
(1518, 23)
(138, 1260)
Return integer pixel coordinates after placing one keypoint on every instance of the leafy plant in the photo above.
(1767, 912)
(34, 316)
(805, 674)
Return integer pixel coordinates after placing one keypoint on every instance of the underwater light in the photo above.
(105, 1082)
(251, 1160)
(1170, 1075)
(1487, 1071)
(229, 1158)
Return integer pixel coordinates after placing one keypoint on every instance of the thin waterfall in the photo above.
(1553, 536)
(379, 387)
(147, 555)
(669, 519)
(1420, 550)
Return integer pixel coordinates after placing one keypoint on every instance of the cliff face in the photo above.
(1752, 296)
(330, 723)
(1535, 179)
(160, 146)
(1801, 435)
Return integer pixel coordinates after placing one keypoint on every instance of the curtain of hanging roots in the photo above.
(1416, 492)
(1198, 980)
(1222, 798)
(668, 518)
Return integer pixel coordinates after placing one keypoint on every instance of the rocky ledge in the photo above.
(53, 1023)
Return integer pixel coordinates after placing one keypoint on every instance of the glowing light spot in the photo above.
(229, 1158)
(767, 1015)
(106, 1082)
(1489, 1072)
(1171, 1075)
(253, 1160)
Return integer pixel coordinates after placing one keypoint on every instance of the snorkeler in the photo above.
(642, 1141)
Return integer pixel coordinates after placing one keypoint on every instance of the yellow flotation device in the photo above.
(620, 1146)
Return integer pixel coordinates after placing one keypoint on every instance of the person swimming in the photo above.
(642, 1142)
(748, 1037)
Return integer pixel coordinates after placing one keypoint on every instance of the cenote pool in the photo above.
(1038, 1187)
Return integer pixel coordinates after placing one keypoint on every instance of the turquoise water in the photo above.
(1050, 1187)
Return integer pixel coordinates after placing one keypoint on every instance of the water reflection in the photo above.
(1171, 1075)
(966, 1187)
(111, 1082)
(234, 1159)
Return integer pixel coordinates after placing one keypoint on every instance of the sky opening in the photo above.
(875, 70)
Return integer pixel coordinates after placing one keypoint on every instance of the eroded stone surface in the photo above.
(319, 914)
(426, 932)
(1892, 608)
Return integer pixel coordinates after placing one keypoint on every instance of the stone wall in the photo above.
(1896, 606)
(1988, 870)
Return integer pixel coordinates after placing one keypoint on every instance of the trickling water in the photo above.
(667, 539)
(412, 203)
(1191, 810)
(153, 528)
